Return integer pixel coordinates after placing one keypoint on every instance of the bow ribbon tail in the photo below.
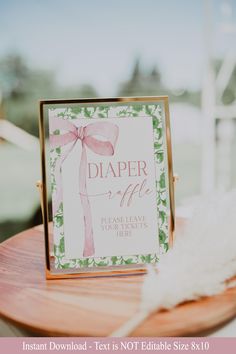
(88, 230)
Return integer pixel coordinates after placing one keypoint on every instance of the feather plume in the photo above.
(202, 260)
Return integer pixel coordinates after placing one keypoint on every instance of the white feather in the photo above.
(202, 259)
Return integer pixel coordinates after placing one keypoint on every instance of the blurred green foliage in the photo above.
(229, 94)
(22, 87)
(149, 83)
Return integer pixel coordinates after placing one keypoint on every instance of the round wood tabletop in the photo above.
(89, 307)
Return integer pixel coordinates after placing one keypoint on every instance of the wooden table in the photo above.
(89, 307)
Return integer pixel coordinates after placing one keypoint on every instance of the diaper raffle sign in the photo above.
(109, 169)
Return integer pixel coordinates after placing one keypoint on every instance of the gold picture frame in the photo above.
(51, 272)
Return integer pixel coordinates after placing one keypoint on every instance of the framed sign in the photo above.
(107, 166)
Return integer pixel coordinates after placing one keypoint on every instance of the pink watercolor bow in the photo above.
(87, 137)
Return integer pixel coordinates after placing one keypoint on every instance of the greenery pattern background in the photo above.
(156, 112)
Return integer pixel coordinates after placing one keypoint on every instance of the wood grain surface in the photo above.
(89, 307)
